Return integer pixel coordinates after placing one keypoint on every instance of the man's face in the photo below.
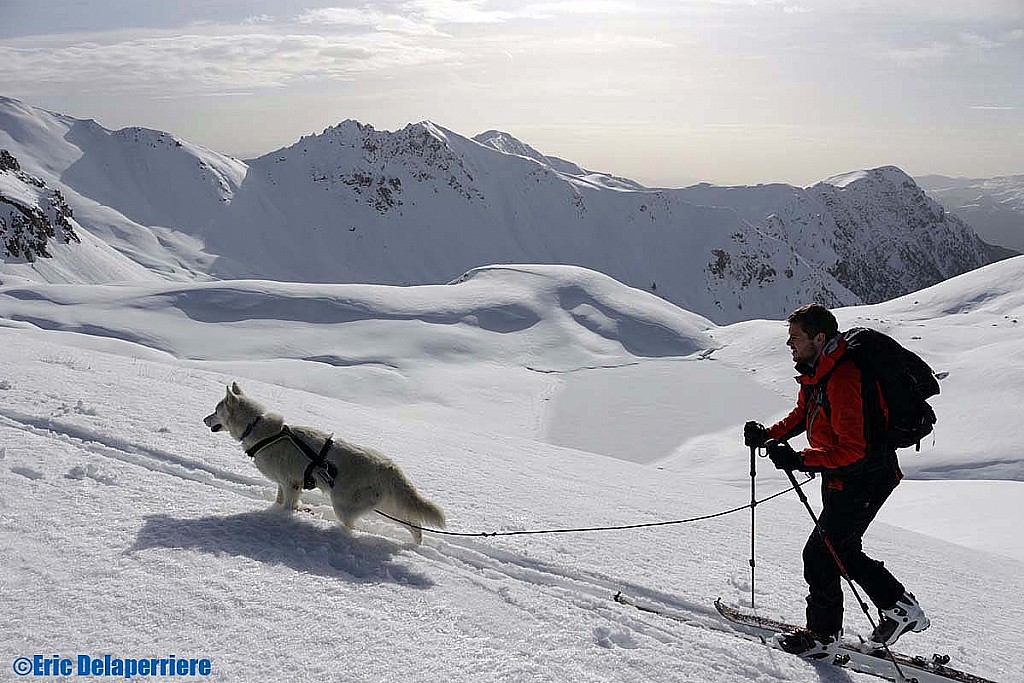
(806, 349)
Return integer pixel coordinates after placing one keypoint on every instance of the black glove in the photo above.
(754, 434)
(783, 456)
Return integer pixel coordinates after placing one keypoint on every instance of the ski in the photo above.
(626, 600)
(916, 669)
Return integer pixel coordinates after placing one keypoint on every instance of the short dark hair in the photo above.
(815, 318)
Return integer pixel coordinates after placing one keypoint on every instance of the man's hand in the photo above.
(783, 456)
(754, 434)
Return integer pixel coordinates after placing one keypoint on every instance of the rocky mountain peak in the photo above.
(8, 162)
(31, 214)
(882, 235)
(375, 167)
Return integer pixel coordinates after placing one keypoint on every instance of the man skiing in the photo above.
(857, 477)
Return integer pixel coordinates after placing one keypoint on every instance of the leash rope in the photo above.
(689, 520)
(317, 460)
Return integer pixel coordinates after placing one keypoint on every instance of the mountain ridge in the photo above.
(423, 204)
(993, 206)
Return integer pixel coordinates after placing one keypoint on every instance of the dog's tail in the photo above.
(406, 503)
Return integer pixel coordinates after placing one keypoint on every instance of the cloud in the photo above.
(212, 63)
(328, 18)
(448, 12)
(932, 52)
(327, 43)
(345, 16)
(962, 44)
(457, 12)
(976, 41)
(786, 6)
(605, 43)
(577, 7)
(927, 11)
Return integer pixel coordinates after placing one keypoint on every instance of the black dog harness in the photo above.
(318, 467)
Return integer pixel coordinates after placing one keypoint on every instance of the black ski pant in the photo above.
(845, 517)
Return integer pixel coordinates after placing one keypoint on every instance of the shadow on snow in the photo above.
(275, 538)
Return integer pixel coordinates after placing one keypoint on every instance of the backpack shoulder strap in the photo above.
(874, 413)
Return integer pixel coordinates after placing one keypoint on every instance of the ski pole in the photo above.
(842, 571)
(753, 504)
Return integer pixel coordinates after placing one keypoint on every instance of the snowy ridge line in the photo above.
(605, 366)
(642, 525)
(119, 448)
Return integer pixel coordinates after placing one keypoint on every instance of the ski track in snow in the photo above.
(488, 568)
(119, 448)
(585, 589)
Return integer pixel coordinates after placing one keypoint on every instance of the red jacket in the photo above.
(836, 436)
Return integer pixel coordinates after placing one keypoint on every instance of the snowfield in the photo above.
(520, 398)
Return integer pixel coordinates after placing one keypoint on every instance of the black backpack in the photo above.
(906, 382)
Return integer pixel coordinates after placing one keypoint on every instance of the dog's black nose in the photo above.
(216, 428)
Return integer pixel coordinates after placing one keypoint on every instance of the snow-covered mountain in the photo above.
(993, 206)
(424, 204)
(41, 240)
(503, 142)
(876, 232)
(131, 192)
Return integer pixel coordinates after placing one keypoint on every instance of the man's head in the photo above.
(810, 329)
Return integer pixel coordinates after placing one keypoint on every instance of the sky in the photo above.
(667, 92)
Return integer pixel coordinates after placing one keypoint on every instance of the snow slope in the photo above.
(132, 190)
(506, 143)
(130, 529)
(41, 238)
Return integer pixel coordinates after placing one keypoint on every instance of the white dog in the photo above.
(357, 479)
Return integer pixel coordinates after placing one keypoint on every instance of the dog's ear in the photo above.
(235, 389)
